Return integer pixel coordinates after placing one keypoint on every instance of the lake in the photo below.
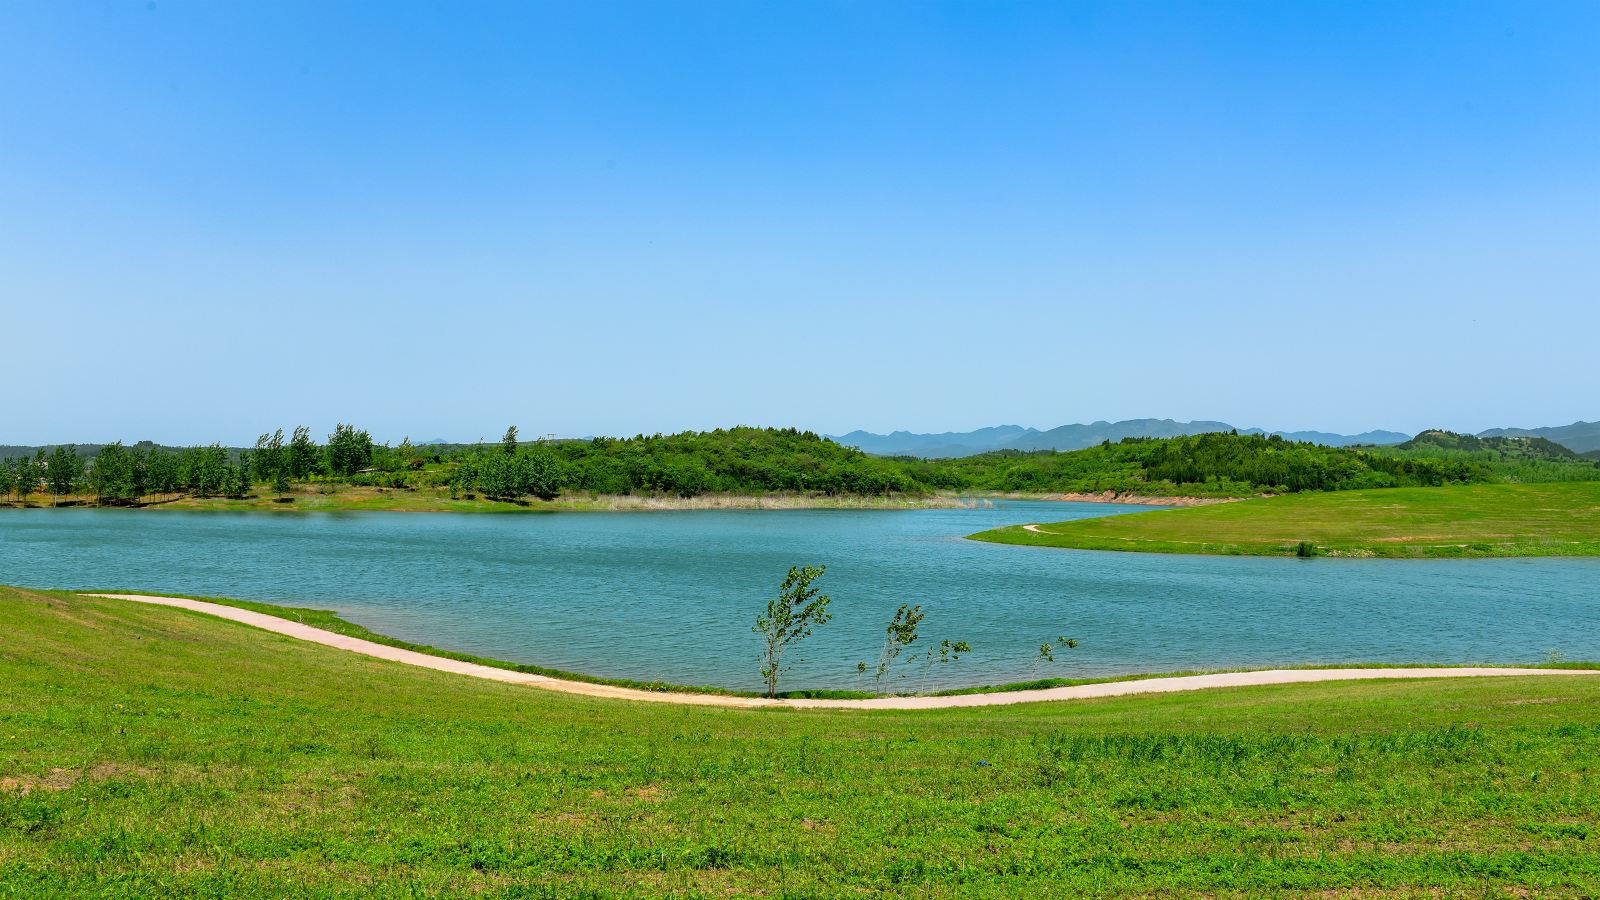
(672, 595)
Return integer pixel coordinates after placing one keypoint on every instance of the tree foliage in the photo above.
(789, 619)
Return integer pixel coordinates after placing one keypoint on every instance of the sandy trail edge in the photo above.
(1074, 692)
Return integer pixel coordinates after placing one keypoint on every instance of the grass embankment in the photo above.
(353, 498)
(1446, 522)
(327, 620)
(151, 751)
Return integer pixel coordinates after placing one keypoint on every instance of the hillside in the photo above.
(1205, 465)
(1509, 459)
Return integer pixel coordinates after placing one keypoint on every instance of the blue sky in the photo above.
(434, 219)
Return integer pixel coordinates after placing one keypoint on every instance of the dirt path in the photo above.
(1075, 692)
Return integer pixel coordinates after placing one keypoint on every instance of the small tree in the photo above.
(508, 442)
(1047, 650)
(902, 633)
(789, 619)
(947, 652)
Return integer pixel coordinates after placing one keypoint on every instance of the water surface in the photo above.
(672, 595)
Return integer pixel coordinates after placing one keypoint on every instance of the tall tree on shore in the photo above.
(66, 468)
(112, 475)
(508, 442)
(304, 458)
(349, 450)
(161, 472)
(27, 478)
(789, 619)
(241, 475)
(8, 477)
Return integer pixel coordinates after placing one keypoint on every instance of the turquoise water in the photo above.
(672, 595)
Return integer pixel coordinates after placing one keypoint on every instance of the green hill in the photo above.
(1508, 459)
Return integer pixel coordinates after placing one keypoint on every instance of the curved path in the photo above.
(1073, 692)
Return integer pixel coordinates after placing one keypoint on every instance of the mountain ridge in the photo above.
(1076, 436)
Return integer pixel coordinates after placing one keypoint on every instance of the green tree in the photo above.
(305, 459)
(508, 443)
(902, 633)
(270, 460)
(789, 619)
(8, 477)
(66, 469)
(27, 478)
(112, 475)
(945, 653)
(242, 475)
(349, 450)
(1047, 650)
(161, 472)
(542, 472)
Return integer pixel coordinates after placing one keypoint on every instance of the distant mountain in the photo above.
(1329, 439)
(1579, 437)
(1070, 437)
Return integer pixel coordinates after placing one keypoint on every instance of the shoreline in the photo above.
(1116, 497)
(356, 499)
(975, 697)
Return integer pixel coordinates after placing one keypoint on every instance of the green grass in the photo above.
(148, 751)
(1445, 522)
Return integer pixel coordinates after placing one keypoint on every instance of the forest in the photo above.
(758, 461)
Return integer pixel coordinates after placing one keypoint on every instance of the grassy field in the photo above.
(148, 751)
(1460, 521)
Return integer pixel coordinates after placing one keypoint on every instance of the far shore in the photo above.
(325, 498)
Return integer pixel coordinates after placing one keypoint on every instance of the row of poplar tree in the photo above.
(124, 474)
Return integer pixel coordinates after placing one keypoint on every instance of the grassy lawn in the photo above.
(148, 751)
(1463, 521)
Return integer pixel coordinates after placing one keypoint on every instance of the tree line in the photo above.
(120, 474)
(751, 461)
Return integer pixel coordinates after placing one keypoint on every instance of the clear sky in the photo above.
(434, 219)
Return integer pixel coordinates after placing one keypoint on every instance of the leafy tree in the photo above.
(162, 475)
(27, 478)
(113, 475)
(1047, 650)
(946, 652)
(8, 477)
(205, 470)
(270, 460)
(541, 472)
(508, 443)
(66, 468)
(349, 450)
(241, 487)
(789, 619)
(902, 633)
(305, 459)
